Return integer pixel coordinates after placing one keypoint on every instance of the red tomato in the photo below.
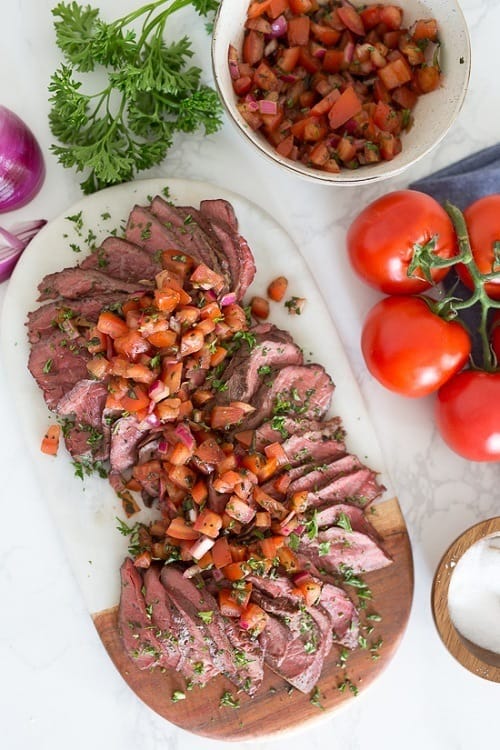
(483, 224)
(468, 415)
(409, 349)
(381, 240)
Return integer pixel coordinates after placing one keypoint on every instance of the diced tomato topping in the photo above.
(50, 441)
(347, 106)
(111, 324)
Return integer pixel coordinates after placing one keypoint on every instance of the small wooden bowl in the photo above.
(480, 661)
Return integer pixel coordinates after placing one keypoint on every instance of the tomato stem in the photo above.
(479, 294)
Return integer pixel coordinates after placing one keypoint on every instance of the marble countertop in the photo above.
(58, 687)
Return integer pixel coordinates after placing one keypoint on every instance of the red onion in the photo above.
(152, 420)
(270, 47)
(69, 329)
(251, 103)
(319, 52)
(192, 571)
(13, 242)
(234, 67)
(268, 107)
(185, 436)
(201, 547)
(157, 391)
(163, 446)
(279, 26)
(229, 298)
(22, 169)
(217, 575)
(301, 577)
(348, 52)
(289, 78)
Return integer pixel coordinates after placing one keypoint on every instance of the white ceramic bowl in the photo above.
(434, 112)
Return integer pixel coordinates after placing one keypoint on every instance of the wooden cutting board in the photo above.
(275, 710)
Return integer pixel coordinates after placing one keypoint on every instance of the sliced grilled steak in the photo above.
(330, 515)
(284, 427)
(164, 617)
(240, 259)
(179, 223)
(125, 438)
(57, 364)
(47, 318)
(75, 282)
(315, 478)
(360, 487)
(316, 446)
(123, 260)
(342, 613)
(344, 548)
(292, 642)
(191, 601)
(305, 389)
(248, 655)
(134, 624)
(220, 210)
(249, 368)
(84, 405)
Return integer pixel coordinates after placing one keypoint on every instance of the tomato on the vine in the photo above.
(483, 225)
(382, 239)
(468, 414)
(409, 349)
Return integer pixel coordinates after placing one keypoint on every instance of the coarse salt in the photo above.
(474, 594)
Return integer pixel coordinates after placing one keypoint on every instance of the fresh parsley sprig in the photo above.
(150, 94)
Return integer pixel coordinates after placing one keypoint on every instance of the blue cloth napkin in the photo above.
(466, 180)
(462, 183)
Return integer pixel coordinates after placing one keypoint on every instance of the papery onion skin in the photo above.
(22, 167)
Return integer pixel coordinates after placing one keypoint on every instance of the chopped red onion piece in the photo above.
(349, 52)
(268, 107)
(185, 436)
(157, 391)
(234, 67)
(228, 299)
(279, 26)
(270, 47)
(301, 577)
(201, 547)
(13, 242)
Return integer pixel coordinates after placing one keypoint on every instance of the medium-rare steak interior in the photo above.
(162, 380)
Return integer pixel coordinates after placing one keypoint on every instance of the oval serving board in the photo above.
(85, 512)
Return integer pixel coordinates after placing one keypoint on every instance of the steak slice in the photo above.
(166, 620)
(57, 364)
(239, 257)
(344, 619)
(125, 438)
(284, 427)
(359, 487)
(191, 601)
(316, 446)
(316, 477)
(303, 389)
(47, 318)
(84, 405)
(123, 260)
(292, 642)
(248, 656)
(75, 282)
(139, 640)
(341, 548)
(330, 515)
(220, 210)
(249, 368)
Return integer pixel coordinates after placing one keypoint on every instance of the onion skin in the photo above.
(22, 168)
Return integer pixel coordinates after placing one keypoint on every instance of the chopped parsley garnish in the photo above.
(264, 370)
(294, 541)
(228, 700)
(324, 548)
(344, 522)
(178, 695)
(278, 424)
(315, 699)
(47, 366)
(206, 616)
(311, 526)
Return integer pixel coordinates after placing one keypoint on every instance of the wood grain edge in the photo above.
(274, 711)
(476, 660)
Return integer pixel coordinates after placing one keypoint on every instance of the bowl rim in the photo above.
(329, 178)
(447, 631)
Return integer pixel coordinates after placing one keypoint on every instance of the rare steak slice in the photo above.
(125, 438)
(201, 609)
(123, 260)
(319, 475)
(239, 257)
(83, 406)
(249, 368)
(348, 516)
(295, 389)
(292, 642)
(358, 487)
(75, 282)
(341, 549)
(248, 656)
(277, 430)
(342, 614)
(220, 210)
(182, 643)
(139, 639)
(57, 364)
